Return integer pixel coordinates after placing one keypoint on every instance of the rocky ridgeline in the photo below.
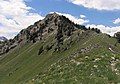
(52, 23)
(55, 24)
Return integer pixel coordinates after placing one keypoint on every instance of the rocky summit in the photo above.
(52, 23)
(55, 50)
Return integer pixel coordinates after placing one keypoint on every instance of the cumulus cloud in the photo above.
(116, 21)
(15, 15)
(106, 29)
(7, 32)
(77, 20)
(98, 4)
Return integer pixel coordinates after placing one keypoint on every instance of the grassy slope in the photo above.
(26, 66)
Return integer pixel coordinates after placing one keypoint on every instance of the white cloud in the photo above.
(116, 21)
(8, 32)
(15, 15)
(105, 29)
(82, 16)
(74, 19)
(98, 4)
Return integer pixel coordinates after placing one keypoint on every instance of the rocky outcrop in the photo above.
(89, 48)
(117, 36)
(52, 23)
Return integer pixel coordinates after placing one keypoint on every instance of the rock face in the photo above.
(55, 24)
(49, 24)
(7, 45)
(117, 36)
(52, 23)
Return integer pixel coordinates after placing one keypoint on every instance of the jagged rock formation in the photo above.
(59, 25)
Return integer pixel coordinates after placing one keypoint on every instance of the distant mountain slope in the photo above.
(57, 51)
(2, 38)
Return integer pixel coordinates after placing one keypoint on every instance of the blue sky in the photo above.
(102, 14)
(62, 6)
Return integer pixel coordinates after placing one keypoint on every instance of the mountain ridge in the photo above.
(40, 28)
(55, 50)
(2, 38)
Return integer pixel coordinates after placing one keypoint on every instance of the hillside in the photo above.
(57, 51)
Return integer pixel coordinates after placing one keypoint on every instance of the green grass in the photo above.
(24, 65)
